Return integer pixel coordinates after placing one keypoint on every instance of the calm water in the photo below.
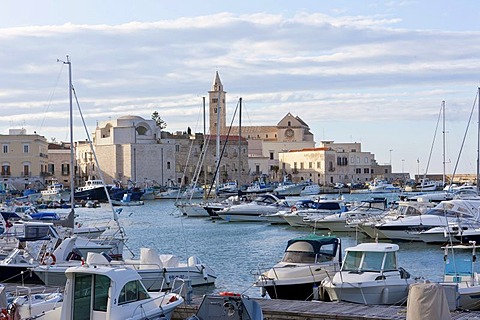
(237, 250)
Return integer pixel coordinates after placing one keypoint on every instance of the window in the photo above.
(26, 170)
(141, 130)
(295, 165)
(25, 148)
(131, 292)
(100, 292)
(215, 100)
(271, 155)
(5, 170)
(358, 170)
(301, 165)
(366, 170)
(5, 148)
(366, 160)
(168, 165)
(177, 148)
(310, 165)
(318, 165)
(65, 169)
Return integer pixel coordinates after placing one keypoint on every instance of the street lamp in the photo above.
(390, 156)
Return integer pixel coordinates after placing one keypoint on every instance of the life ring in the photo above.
(47, 256)
(229, 294)
(293, 208)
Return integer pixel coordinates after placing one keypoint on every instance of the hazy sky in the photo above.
(374, 72)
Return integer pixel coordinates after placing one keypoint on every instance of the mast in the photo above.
(72, 158)
(443, 176)
(239, 145)
(204, 152)
(478, 142)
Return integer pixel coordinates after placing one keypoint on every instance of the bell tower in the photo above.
(217, 106)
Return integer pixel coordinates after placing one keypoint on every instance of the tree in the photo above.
(159, 121)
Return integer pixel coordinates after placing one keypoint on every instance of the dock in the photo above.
(274, 309)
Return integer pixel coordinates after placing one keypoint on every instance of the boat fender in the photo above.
(263, 291)
(204, 272)
(229, 294)
(385, 294)
(48, 256)
(315, 292)
(4, 314)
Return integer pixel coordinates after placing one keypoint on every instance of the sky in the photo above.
(375, 72)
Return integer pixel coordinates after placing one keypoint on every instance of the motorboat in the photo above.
(403, 209)
(28, 304)
(460, 272)
(279, 217)
(55, 192)
(259, 187)
(255, 210)
(306, 262)
(363, 210)
(94, 291)
(289, 188)
(370, 275)
(190, 209)
(299, 215)
(426, 185)
(157, 271)
(228, 306)
(127, 200)
(382, 186)
(310, 189)
(451, 211)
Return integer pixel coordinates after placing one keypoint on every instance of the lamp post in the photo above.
(403, 174)
(390, 156)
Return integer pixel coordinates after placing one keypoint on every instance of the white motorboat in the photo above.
(460, 271)
(93, 291)
(402, 210)
(382, 186)
(55, 192)
(28, 305)
(452, 211)
(426, 185)
(289, 188)
(254, 211)
(306, 262)
(317, 209)
(370, 275)
(157, 271)
(310, 189)
(338, 222)
(190, 209)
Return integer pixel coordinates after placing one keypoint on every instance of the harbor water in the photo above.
(237, 251)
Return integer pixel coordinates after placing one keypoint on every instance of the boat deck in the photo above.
(317, 310)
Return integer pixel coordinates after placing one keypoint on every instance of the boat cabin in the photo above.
(312, 249)
(371, 257)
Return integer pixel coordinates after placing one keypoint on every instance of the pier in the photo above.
(274, 309)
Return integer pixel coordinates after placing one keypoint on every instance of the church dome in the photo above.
(130, 117)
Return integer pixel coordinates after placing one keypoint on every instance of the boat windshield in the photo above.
(303, 252)
(448, 213)
(359, 261)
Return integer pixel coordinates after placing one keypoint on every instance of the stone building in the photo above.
(128, 149)
(24, 158)
(59, 164)
(332, 163)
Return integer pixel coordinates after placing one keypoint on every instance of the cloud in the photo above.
(322, 68)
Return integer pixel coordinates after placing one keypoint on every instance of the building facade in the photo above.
(332, 163)
(24, 158)
(59, 167)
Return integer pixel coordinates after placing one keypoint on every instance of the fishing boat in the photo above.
(306, 262)
(370, 275)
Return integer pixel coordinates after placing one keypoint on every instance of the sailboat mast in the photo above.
(443, 111)
(478, 143)
(204, 151)
(239, 144)
(72, 158)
